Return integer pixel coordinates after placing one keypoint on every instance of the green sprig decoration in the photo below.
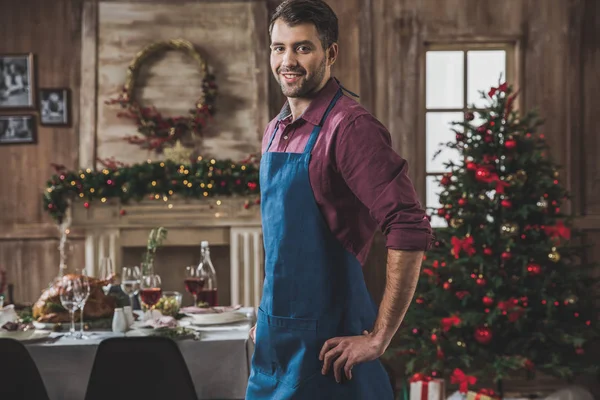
(155, 239)
(154, 180)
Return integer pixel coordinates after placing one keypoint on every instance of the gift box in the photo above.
(483, 394)
(426, 388)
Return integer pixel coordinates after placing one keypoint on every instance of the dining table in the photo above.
(218, 359)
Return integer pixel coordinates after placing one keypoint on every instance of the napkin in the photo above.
(8, 314)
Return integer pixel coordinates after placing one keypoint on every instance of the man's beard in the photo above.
(306, 87)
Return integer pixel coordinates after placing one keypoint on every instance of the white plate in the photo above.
(215, 319)
(22, 336)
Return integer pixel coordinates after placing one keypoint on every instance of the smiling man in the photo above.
(329, 178)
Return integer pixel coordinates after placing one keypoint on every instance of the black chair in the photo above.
(19, 376)
(144, 368)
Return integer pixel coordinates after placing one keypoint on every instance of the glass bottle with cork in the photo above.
(201, 282)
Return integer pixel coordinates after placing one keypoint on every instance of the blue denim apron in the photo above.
(314, 290)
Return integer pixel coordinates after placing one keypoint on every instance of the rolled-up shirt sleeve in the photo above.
(378, 177)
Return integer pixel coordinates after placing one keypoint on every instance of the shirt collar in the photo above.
(317, 107)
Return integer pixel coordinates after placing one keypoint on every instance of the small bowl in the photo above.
(170, 303)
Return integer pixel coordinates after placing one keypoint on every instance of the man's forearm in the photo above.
(403, 268)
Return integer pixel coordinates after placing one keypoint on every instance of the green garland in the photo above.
(155, 180)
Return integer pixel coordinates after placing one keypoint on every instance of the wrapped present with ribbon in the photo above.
(423, 387)
(482, 394)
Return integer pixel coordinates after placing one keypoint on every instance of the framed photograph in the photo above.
(16, 81)
(17, 129)
(54, 107)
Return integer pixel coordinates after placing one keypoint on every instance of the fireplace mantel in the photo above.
(112, 226)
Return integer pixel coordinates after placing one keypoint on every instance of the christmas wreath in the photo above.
(156, 129)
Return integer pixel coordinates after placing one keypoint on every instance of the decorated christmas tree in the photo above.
(504, 289)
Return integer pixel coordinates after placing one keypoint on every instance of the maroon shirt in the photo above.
(359, 182)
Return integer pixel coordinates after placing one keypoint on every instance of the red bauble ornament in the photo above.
(446, 285)
(480, 281)
(471, 166)
(246, 205)
(483, 335)
(434, 337)
(440, 353)
(257, 201)
(506, 203)
(460, 137)
(488, 138)
(50, 206)
(534, 269)
(441, 212)
(448, 217)
(420, 300)
(482, 173)
(86, 204)
(506, 255)
(487, 301)
(510, 144)
(469, 116)
(487, 251)
(462, 202)
(445, 180)
(122, 212)
(252, 185)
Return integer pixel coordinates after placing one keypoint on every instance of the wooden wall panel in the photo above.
(28, 239)
(51, 31)
(124, 29)
(32, 264)
(589, 150)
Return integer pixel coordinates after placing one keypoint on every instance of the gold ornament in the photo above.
(572, 299)
(555, 174)
(521, 176)
(178, 153)
(509, 229)
(481, 197)
(554, 256)
(542, 203)
(456, 222)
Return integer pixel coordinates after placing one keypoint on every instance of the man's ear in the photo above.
(332, 53)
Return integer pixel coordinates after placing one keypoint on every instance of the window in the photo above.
(454, 76)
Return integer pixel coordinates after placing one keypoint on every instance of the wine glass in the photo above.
(193, 282)
(130, 282)
(81, 297)
(107, 273)
(150, 291)
(69, 291)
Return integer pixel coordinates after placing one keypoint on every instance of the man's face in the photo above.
(298, 60)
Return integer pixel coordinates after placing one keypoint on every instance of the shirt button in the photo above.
(285, 137)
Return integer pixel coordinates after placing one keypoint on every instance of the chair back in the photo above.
(145, 368)
(19, 376)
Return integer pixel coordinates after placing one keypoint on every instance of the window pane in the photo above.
(485, 68)
(438, 130)
(433, 200)
(434, 188)
(444, 79)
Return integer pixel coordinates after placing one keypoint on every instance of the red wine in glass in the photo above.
(207, 297)
(194, 285)
(150, 296)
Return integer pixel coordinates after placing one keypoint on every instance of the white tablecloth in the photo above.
(219, 362)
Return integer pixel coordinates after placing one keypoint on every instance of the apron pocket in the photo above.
(286, 348)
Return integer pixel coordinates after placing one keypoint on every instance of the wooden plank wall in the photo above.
(380, 41)
(28, 238)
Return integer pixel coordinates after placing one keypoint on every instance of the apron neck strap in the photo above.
(315, 132)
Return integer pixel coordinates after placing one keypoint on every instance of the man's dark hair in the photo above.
(316, 12)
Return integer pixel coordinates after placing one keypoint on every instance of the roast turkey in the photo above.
(98, 305)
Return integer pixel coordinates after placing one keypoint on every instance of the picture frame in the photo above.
(55, 106)
(17, 81)
(18, 129)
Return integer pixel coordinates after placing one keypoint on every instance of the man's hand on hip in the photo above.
(346, 352)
